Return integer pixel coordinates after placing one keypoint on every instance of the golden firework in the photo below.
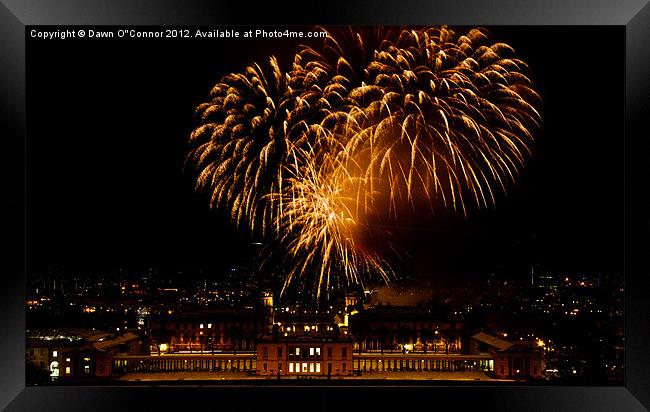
(372, 121)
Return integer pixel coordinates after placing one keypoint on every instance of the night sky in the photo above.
(108, 122)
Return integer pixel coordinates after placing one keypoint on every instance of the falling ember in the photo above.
(366, 124)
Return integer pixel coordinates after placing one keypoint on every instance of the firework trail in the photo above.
(371, 122)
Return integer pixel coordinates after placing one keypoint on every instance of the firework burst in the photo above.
(371, 122)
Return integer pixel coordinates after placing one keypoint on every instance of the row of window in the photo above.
(304, 367)
(311, 367)
(304, 351)
(306, 328)
(316, 352)
(54, 368)
(246, 325)
(312, 351)
(200, 335)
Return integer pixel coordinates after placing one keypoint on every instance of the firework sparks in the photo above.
(322, 223)
(367, 124)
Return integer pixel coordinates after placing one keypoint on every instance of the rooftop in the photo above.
(106, 344)
(492, 341)
(79, 338)
(66, 335)
(300, 336)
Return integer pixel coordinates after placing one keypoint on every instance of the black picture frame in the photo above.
(634, 15)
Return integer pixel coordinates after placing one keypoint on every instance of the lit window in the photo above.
(201, 326)
(311, 351)
(317, 351)
(318, 367)
(67, 359)
(54, 354)
(311, 367)
(209, 325)
(67, 370)
(297, 351)
(87, 359)
(290, 367)
(304, 366)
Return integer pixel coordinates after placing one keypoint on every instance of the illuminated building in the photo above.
(211, 330)
(420, 362)
(518, 360)
(266, 305)
(221, 362)
(404, 329)
(292, 341)
(311, 351)
(352, 300)
(74, 354)
(218, 330)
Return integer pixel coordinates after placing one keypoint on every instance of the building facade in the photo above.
(77, 354)
(223, 362)
(522, 360)
(311, 353)
(216, 331)
(512, 360)
(397, 329)
(211, 331)
(419, 362)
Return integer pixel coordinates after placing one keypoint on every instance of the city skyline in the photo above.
(577, 319)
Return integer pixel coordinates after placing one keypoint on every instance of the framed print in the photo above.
(325, 205)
